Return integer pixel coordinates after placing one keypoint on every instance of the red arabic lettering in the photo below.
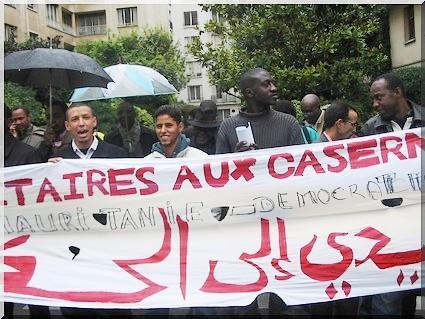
(183, 237)
(326, 272)
(17, 282)
(388, 260)
(215, 286)
(283, 252)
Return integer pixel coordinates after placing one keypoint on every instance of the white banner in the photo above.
(310, 223)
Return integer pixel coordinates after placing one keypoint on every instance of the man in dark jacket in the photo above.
(395, 113)
(80, 123)
(19, 153)
(56, 136)
(134, 138)
(23, 128)
(204, 127)
(15, 151)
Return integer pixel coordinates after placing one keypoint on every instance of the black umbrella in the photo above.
(54, 67)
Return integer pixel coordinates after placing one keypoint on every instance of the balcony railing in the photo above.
(91, 30)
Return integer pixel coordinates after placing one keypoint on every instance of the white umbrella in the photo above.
(129, 80)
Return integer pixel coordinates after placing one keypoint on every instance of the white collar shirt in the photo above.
(90, 150)
(406, 126)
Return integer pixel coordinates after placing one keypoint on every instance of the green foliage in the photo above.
(106, 112)
(15, 95)
(329, 50)
(153, 48)
(29, 44)
(413, 78)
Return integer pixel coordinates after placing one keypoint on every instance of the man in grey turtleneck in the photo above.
(269, 128)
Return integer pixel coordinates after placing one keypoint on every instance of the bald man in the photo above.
(313, 114)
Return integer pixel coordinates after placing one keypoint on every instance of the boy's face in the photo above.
(168, 130)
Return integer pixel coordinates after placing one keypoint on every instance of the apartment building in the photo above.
(78, 22)
(188, 22)
(406, 35)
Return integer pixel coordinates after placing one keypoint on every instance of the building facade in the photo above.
(77, 22)
(188, 22)
(406, 35)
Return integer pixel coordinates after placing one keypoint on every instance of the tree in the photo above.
(331, 50)
(413, 78)
(153, 48)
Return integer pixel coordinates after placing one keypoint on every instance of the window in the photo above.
(193, 69)
(127, 17)
(67, 21)
(93, 23)
(190, 18)
(409, 23)
(215, 16)
(33, 36)
(52, 15)
(218, 93)
(10, 32)
(223, 114)
(194, 93)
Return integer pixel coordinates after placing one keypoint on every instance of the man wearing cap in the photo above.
(205, 125)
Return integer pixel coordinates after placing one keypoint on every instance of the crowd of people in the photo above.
(71, 135)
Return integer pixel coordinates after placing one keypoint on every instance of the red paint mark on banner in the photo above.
(283, 249)
(346, 287)
(414, 277)
(216, 286)
(388, 260)
(17, 282)
(184, 237)
(331, 291)
(326, 272)
(400, 278)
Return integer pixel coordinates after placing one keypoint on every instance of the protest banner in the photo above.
(311, 223)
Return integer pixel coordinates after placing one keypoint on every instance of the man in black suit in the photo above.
(80, 123)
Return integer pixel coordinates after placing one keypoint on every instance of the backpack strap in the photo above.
(306, 134)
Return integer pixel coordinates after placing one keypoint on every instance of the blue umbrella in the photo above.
(129, 80)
